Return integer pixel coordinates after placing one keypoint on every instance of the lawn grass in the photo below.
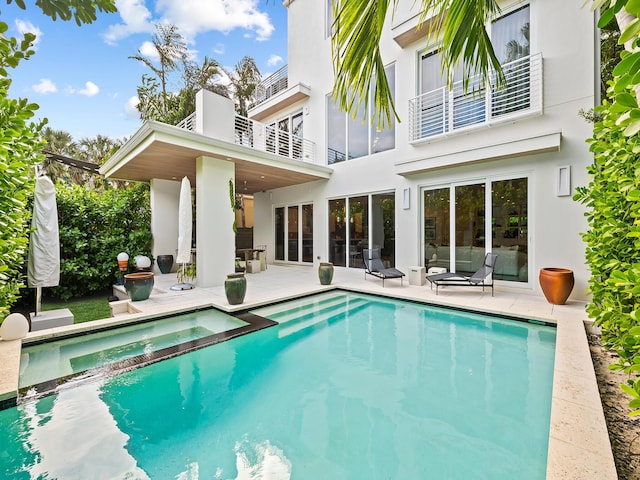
(84, 309)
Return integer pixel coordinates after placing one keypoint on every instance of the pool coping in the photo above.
(579, 445)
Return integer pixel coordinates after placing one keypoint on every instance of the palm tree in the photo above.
(355, 40)
(61, 142)
(357, 29)
(172, 52)
(244, 80)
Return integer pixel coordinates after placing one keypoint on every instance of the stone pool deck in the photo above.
(579, 446)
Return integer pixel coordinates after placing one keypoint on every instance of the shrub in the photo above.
(613, 240)
(94, 228)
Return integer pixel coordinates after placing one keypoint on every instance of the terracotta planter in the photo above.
(235, 288)
(138, 285)
(165, 263)
(556, 284)
(325, 273)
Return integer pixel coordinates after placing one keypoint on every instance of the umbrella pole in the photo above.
(38, 300)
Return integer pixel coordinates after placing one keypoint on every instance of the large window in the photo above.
(356, 223)
(349, 138)
(459, 212)
(293, 226)
(438, 110)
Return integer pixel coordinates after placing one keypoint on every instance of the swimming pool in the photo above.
(56, 359)
(348, 386)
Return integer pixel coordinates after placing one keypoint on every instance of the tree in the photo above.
(61, 142)
(172, 52)
(156, 102)
(244, 80)
(20, 143)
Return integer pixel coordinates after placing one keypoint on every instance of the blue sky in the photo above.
(83, 78)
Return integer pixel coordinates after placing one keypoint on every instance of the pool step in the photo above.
(325, 315)
(285, 313)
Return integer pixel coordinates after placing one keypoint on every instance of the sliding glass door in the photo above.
(357, 223)
(293, 227)
(459, 212)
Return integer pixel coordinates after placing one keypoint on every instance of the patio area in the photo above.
(579, 446)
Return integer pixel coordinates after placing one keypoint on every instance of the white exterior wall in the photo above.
(215, 115)
(165, 197)
(563, 32)
(215, 238)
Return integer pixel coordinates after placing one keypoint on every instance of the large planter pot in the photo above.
(325, 273)
(556, 284)
(235, 287)
(165, 263)
(138, 285)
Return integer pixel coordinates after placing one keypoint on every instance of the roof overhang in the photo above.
(288, 97)
(531, 145)
(162, 151)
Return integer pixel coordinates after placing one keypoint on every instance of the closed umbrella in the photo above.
(185, 219)
(43, 267)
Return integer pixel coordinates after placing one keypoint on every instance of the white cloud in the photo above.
(136, 18)
(147, 49)
(45, 86)
(219, 49)
(195, 16)
(131, 108)
(90, 89)
(274, 60)
(28, 27)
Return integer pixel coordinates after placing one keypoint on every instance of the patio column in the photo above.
(215, 239)
(164, 197)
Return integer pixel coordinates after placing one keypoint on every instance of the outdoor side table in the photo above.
(417, 275)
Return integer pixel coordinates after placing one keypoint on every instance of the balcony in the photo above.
(274, 93)
(267, 138)
(443, 112)
(272, 85)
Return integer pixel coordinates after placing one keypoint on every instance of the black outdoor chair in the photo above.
(373, 266)
(478, 279)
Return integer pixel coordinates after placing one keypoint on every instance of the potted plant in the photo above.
(325, 273)
(556, 284)
(235, 288)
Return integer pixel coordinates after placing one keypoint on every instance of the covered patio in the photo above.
(212, 155)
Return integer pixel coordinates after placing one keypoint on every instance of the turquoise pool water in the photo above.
(347, 387)
(56, 359)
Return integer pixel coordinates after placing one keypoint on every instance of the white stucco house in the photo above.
(459, 175)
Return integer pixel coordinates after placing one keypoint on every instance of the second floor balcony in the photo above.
(267, 138)
(272, 85)
(444, 111)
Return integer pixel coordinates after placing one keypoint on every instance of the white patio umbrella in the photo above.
(185, 216)
(43, 267)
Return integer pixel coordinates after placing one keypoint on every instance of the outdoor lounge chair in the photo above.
(478, 279)
(373, 266)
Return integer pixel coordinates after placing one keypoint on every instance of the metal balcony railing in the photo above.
(272, 85)
(188, 123)
(263, 137)
(444, 111)
(269, 139)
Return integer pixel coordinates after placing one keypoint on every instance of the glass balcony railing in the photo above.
(443, 111)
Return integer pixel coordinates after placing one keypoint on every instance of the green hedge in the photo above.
(94, 228)
(613, 238)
